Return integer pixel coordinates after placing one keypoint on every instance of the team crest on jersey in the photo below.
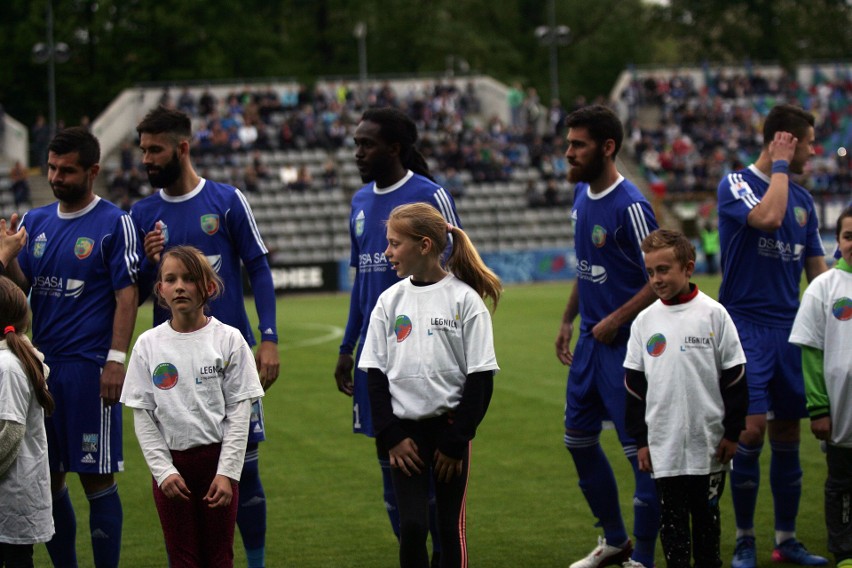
(83, 247)
(359, 223)
(40, 245)
(210, 223)
(740, 189)
(90, 443)
(801, 216)
(402, 328)
(165, 376)
(598, 236)
(842, 309)
(656, 345)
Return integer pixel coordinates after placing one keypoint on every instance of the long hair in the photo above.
(199, 270)
(397, 128)
(13, 313)
(421, 220)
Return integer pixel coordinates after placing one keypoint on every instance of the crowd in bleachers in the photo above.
(245, 135)
(705, 131)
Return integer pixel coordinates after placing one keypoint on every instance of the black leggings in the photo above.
(695, 496)
(412, 495)
(838, 501)
(16, 555)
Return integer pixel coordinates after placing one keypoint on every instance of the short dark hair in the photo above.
(843, 215)
(163, 120)
(601, 122)
(77, 139)
(658, 239)
(786, 118)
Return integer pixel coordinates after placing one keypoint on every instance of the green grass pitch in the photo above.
(323, 483)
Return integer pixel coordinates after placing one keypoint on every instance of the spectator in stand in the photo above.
(20, 186)
(39, 139)
(330, 179)
(303, 182)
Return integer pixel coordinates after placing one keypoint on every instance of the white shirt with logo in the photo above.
(683, 349)
(427, 340)
(824, 321)
(186, 381)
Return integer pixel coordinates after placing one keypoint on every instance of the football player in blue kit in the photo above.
(215, 218)
(611, 218)
(80, 266)
(395, 173)
(769, 234)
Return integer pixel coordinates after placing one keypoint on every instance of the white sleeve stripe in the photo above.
(252, 223)
(639, 222)
(444, 206)
(131, 255)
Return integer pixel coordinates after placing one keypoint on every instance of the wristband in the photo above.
(116, 356)
(781, 167)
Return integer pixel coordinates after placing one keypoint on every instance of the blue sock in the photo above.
(62, 548)
(105, 520)
(389, 495)
(597, 483)
(745, 481)
(785, 479)
(251, 514)
(646, 512)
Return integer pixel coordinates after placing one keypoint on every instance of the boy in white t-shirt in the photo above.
(823, 329)
(687, 400)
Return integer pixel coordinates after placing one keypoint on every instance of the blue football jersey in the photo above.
(217, 219)
(75, 263)
(761, 271)
(371, 207)
(608, 231)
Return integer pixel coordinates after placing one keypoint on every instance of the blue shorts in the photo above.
(362, 417)
(595, 391)
(83, 435)
(776, 385)
(257, 430)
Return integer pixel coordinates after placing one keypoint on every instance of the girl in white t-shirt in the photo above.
(25, 503)
(429, 358)
(191, 382)
(823, 329)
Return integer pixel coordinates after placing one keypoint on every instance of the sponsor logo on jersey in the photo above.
(774, 248)
(87, 459)
(74, 288)
(692, 342)
(359, 223)
(375, 262)
(215, 261)
(39, 245)
(592, 272)
(83, 247)
(598, 236)
(90, 443)
(740, 189)
(801, 216)
(165, 376)
(842, 309)
(402, 328)
(443, 324)
(656, 345)
(210, 223)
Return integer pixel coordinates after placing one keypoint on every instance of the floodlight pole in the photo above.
(360, 34)
(51, 72)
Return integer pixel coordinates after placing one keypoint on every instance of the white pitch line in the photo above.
(332, 333)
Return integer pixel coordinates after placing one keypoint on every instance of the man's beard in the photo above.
(590, 172)
(72, 194)
(167, 175)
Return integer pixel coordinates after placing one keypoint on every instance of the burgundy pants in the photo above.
(197, 536)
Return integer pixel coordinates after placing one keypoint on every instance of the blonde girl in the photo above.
(429, 358)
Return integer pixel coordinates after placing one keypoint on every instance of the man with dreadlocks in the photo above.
(395, 173)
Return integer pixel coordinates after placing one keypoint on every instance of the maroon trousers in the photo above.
(197, 536)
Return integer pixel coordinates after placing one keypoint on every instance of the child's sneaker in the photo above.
(792, 551)
(633, 564)
(745, 555)
(605, 555)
